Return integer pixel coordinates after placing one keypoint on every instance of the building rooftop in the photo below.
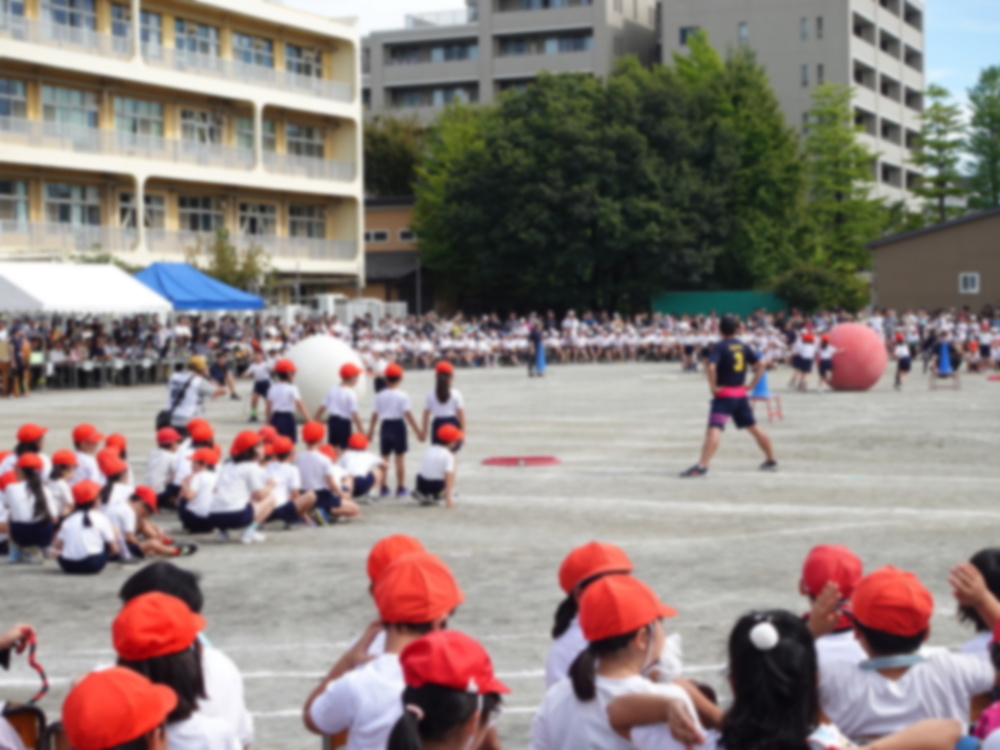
(967, 219)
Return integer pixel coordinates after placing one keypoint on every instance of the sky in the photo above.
(961, 34)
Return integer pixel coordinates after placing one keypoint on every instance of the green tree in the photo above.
(809, 287)
(842, 215)
(939, 152)
(248, 269)
(984, 140)
(393, 148)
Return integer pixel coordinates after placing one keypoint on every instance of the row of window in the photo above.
(432, 96)
(383, 235)
(546, 45)
(80, 205)
(515, 5)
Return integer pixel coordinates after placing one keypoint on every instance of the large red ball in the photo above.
(861, 358)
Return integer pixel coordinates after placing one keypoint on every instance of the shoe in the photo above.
(386, 492)
(252, 537)
(234, 397)
(221, 536)
(318, 516)
(402, 492)
(32, 557)
(186, 550)
(769, 466)
(695, 471)
(253, 418)
(421, 498)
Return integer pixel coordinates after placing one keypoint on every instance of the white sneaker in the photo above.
(252, 537)
(222, 536)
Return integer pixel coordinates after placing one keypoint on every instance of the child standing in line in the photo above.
(283, 400)
(444, 403)
(436, 477)
(902, 354)
(260, 371)
(160, 460)
(807, 357)
(392, 408)
(341, 408)
(367, 469)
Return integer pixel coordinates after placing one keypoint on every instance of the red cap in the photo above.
(593, 558)
(808, 338)
(86, 491)
(154, 624)
(444, 368)
(313, 432)
(327, 450)
(899, 336)
(386, 551)
(167, 435)
(416, 588)
(193, 423)
(4, 454)
(893, 601)
(282, 445)
(116, 440)
(110, 462)
(268, 450)
(350, 370)
(114, 707)
(824, 339)
(268, 434)
(86, 433)
(202, 433)
(30, 433)
(449, 659)
(285, 366)
(830, 563)
(244, 442)
(394, 371)
(8, 478)
(357, 442)
(616, 605)
(449, 433)
(148, 496)
(30, 461)
(206, 456)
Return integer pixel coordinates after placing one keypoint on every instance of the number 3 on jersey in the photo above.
(738, 363)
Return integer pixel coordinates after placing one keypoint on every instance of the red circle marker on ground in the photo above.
(522, 461)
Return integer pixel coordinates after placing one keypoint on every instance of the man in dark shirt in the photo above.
(727, 379)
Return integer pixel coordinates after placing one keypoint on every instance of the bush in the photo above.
(810, 287)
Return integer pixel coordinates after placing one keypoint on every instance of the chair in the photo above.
(28, 722)
(55, 738)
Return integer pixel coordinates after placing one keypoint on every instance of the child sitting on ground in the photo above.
(291, 504)
(436, 478)
(825, 566)
(132, 520)
(160, 460)
(367, 469)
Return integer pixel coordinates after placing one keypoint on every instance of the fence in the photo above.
(721, 303)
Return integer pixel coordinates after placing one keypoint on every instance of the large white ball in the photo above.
(318, 360)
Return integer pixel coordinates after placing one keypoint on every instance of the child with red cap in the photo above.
(87, 441)
(30, 439)
(904, 360)
(33, 511)
(392, 408)
(828, 567)
(581, 567)
(86, 535)
(198, 491)
(160, 460)
(132, 519)
(984, 569)
(415, 596)
(243, 497)
(436, 478)
(341, 408)
(63, 468)
(116, 709)
(452, 695)
(260, 371)
(200, 435)
(284, 400)
(367, 470)
(321, 475)
(444, 403)
(291, 503)
(898, 686)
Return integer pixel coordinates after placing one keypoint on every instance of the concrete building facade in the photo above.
(241, 115)
(476, 54)
(875, 46)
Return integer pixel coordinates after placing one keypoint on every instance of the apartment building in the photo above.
(209, 114)
(876, 46)
(475, 54)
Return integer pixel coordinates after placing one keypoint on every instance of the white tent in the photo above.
(75, 288)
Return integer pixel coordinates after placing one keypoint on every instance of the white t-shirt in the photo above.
(158, 469)
(391, 403)
(563, 652)
(313, 467)
(565, 723)
(261, 372)
(978, 646)
(181, 465)
(365, 701)
(79, 541)
(838, 647)
(10, 463)
(287, 480)
(448, 409)
(86, 468)
(21, 503)
(201, 732)
(992, 742)
(192, 402)
(864, 703)
(341, 402)
(235, 484)
(224, 688)
(122, 518)
(358, 463)
(282, 397)
(437, 463)
(62, 494)
(202, 485)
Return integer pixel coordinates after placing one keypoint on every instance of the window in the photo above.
(819, 27)
(968, 282)
(301, 140)
(557, 45)
(196, 38)
(152, 29)
(77, 205)
(77, 14)
(820, 74)
(306, 221)
(199, 213)
(260, 219)
(304, 61)
(804, 29)
(138, 117)
(70, 107)
(743, 33)
(805, 75)
(453, 52)
(199, 126)
(10, 8)
(12, 99)
(253, 50)
(244, 134)
(14, 201)
(121, 20)
(687, 31)
(805, 122)
(407, 235)
(154, 216)
(377, 235)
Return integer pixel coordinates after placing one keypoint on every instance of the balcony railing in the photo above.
(50, 32)
(52, 237)
(310, 166)
(296, 248)
(443, 18)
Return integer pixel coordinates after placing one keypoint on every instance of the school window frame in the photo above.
(68, 106)
(154, 216)
(305, 140)
(244, 135)
(257, 218)
(121, 20)
(804, 29)
(13, 98)
(686, 31)
(253, 50)
(77, 14)
(743, 33)
(72, 204)
(820, 74)
(151, 28)
(138, 116)
(197, 38)
(199, 213)
(968, 282)
(377, 235)
(14, 201)
(202, 126)
(304, 61)
(820, 30)
(13, 8)
(407, 235)
(805, 76)
(307, 221)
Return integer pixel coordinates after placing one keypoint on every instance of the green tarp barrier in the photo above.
(721, 303)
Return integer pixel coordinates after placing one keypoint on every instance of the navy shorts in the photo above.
(86, 566)
(825, 367)
(796, 362)
(738, 408)
(363, 485)
(287, 513)
(134, 552)
(194, 524)
(430, 487)
(338, 432)
(440, 422)
(393, 437)
(261, 387)
(380, 384)
(284, 423)
(236, 519)
(904, 364)
(327, 500)
(37, 534)
(688, 349)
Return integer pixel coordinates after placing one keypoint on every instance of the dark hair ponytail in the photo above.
(438, 711)
(109, 487)
(565, 613)
(583, 672)
(85, 508)
(34, 481)
(21, 448)
(443, 387)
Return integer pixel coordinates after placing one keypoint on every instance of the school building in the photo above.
(950, 265)
(242, 115)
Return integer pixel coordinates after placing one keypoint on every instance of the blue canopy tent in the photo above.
(187, 288)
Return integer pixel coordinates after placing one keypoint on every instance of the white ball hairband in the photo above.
(764, 636)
